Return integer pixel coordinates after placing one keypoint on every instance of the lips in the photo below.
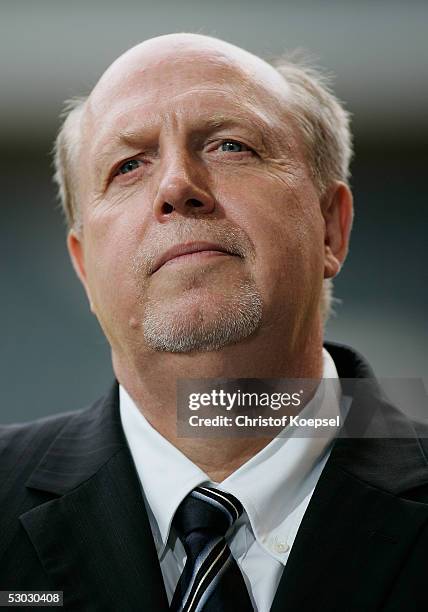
(186, 249)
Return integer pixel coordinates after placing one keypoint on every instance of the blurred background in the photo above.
(53, 356)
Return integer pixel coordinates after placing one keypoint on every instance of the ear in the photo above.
(338, 213)
(77, 256)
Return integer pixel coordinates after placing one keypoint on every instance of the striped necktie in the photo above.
(211, 580)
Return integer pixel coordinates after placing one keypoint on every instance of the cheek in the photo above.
(289, 270)
(111, 243)
(285, 223)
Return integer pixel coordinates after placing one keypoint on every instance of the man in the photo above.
(208, 204)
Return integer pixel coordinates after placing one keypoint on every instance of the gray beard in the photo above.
(237, 318)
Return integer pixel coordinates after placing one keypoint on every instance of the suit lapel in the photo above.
(94, 539)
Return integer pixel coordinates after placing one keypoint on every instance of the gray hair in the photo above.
(321, 119)
(65, 155)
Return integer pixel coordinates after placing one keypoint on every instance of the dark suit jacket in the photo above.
(72, 517)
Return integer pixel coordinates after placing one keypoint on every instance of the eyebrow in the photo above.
(129, 140)
(203, 125)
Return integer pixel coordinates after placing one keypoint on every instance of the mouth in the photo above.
(190, 252)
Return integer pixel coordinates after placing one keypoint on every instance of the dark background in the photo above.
(53, 355)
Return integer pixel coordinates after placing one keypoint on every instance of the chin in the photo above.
(202, 323)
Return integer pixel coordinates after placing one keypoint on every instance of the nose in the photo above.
(182, 189)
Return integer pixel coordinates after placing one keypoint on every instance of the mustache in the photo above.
(230, 237)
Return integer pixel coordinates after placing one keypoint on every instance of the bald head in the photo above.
(166, 53)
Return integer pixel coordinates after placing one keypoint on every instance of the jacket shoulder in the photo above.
(22, 445)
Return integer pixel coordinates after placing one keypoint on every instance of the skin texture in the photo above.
(171, 104)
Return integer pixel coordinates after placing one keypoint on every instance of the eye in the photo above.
(129, 166)
(233, 147)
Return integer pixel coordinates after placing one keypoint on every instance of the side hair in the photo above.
(65, 153)
(320, 117)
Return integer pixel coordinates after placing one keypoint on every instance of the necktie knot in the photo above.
(206, 510)
(211, 579)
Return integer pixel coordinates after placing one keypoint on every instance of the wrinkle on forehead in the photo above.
(192, 104)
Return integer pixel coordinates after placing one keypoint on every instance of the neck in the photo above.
(151, 381)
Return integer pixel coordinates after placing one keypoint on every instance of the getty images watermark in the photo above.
(300, 407)
(219, 398)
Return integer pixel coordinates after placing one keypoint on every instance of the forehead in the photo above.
(200, 80)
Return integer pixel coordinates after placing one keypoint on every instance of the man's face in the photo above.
(192, 150)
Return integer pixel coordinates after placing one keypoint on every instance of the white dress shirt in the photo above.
(274, 487)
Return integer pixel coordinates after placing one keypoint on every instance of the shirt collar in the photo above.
(166, 475)
(286, 470)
